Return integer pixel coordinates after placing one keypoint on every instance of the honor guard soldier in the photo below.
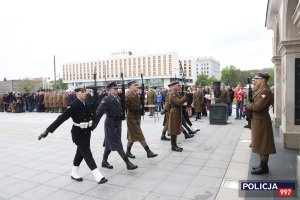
(175, 117)
(81, 114)
(111, 105)
(261, 127)
(134, 131)
(198, 100)
(166, 112)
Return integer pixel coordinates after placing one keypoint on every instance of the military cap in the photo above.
(175, 83)
(112, 85)
(132, 82)
(263, 75)
(80, 88)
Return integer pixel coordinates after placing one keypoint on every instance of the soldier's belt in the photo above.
(84, 125)
(115, 117)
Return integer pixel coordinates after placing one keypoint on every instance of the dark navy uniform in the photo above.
(111, 105)
(79, 112)
(113, 124)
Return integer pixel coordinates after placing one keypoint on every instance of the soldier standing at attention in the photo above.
(111, 105)
(151, 100)
(81, 114)
(174, 126)
(198, 100)
(166, 117)
(134, 131)
(261, 127)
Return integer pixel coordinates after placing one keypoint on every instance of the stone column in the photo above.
(289, 50)
(277, 90)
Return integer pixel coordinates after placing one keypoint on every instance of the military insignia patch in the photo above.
(263, 96)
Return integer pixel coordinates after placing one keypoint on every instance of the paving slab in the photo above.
(209, 167)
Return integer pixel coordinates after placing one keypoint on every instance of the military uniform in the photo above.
(46, 102)
(175, 117)
(198, 100)
(81, 114)
(151, 100)
(59, 99)
(1, 102)
(50, 99)
(166, 117)
(261, 128)
(133, 118)
(111, 105)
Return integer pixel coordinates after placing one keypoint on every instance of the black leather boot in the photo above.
(186, 135)
(150, 154)
(129, 165)
(262, 169)
(104, 161)
(174, 146)
(191, 132)
(164, 137)
(128, 153)
(256, 167)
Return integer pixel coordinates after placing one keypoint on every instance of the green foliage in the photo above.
(211, 80)
(230, 75)
(202, 80)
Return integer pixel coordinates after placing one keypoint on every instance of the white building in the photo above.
(158, 69)
(207, 66)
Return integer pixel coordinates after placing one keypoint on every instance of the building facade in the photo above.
(283, 17)
(158, 70)
(207, 66)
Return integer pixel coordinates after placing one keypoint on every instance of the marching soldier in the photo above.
(166, 117)
(198, 100)
(174, 126)
(111, 105)
(81, 114)
(134, 131)
(261, 128)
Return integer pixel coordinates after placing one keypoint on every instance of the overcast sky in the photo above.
(32, 31)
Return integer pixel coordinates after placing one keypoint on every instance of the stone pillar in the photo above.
(277, 90)
(289, 50)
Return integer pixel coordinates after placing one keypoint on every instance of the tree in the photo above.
(230, 75)
(271, 73)
(211, 80)
(202, 80)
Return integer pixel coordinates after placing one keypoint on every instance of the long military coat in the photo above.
(174, 126)
(79, 112)
(262, 132)
(133, 117)
(167, 111)
(151, 97)
(46, 100)
(111, 105)
(59, 100)
(198, 100)
(50, 99)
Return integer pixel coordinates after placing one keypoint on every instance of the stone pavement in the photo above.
(209, 167)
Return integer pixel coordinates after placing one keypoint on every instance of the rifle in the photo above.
(142, 98)
(183, 79)
(123, 98)
(249, 113)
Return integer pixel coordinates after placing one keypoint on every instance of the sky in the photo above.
(33, 31)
